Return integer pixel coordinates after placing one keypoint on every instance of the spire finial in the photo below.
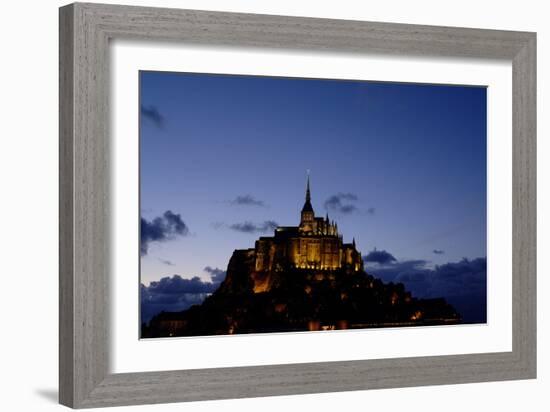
(308, 193)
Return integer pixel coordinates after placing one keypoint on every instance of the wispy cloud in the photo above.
(152, 114)
(343, 203)
(161, 229)
(250, 227)
(247, 200)
(166, 262)
(438, 252)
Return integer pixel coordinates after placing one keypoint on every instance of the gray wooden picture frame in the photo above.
(85, 32)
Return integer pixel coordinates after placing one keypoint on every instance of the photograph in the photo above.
(281, 205)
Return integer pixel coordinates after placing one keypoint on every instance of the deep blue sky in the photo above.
(223, 151)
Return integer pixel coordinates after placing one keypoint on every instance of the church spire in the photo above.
(307, 205)
(308, 193)
(308, 215)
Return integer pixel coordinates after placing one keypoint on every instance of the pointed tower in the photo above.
(307, 215)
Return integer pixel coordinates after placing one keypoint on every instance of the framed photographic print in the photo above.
(257, 205)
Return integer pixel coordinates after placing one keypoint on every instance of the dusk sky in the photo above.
(400, 167)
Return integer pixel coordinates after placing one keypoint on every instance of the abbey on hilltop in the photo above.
(314, 244)
(302, 278)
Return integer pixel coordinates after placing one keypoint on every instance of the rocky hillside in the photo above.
(299, 300)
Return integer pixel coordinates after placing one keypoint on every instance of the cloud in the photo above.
(152, 114)
(438, 252)
(161, 229)
(178, 285)
(249, 227)
(348, 196)
(153, 303)
(342, 203)
(216, 274)
(379, 256)
(247, 200)
(218, 225)
(174, 293)
(166, 262)
(462, 283)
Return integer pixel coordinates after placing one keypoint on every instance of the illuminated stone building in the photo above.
(314, 244)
